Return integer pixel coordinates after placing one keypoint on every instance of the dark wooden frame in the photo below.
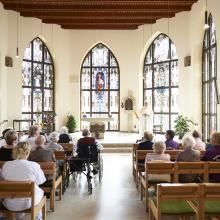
(206, 51)
(105, 90)
(42, 87)
(170, 87)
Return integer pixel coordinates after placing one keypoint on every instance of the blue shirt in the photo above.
(170, 143)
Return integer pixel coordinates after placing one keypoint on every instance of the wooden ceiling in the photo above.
(98, 14)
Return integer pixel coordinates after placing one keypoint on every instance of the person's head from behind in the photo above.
(170, 134)
(40, 141)
(64, 130)
(5, 131)
(215, 138)
(11, 137)
(54, 137)
(159, 147)
(188, 142)
(196, 134)
(85, 132)
(21, 151)
(148, 136)
(34, 131)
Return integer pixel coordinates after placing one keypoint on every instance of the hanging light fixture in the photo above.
(206, 26)
(17, 49)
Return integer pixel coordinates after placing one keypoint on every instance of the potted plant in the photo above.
(71, 123)
(183, 125)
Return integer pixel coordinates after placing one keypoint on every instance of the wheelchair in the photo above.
(88, 160)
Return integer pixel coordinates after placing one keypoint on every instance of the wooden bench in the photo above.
(61, 156)
(212, 168)
(68, 148)
(49, 169)
(154, 168)
(21, 189)
(176, 199)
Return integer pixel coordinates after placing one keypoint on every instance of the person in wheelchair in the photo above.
(88, 148)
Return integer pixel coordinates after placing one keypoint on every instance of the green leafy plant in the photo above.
(183, 125)
(71, 123)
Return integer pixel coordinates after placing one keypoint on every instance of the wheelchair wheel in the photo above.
(100, 164)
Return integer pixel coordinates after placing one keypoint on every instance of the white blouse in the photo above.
(23, 170)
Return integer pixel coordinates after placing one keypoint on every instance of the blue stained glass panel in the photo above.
(148, 76)
(100, 56)
(114, 78)
(161, 75)
(99, 101)
(99, 79)
(161, 100)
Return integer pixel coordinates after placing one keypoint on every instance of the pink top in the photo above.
(150, 157)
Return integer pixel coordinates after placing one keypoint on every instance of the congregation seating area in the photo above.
(159, 185)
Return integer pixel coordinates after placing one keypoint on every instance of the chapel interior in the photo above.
(125, 72)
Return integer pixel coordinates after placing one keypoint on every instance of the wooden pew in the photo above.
(134, 158)
(68, 148)
(49, 169)
(212, 168)
(211, 199)
(21, 189)
(61, 156)
(154, 168)
(196, 168)
(176, 195)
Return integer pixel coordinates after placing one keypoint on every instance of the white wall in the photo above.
(3, 69)
(129, 47)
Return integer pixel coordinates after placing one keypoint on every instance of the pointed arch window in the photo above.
(37, 82)
(209, 80)
(100, 86)
(160, 82)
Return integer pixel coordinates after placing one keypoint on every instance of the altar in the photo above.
(97, 126)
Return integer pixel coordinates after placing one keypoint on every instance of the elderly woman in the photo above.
(213, 154)
(2, 139)
(188, 155)
(199, 144)
(11, 137)
(64, 136)
(53, 145)
(159, 149)
(21, 169)
(34, 131)
(158, 156)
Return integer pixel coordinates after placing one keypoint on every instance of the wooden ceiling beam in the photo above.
(42, 7)
(100, 26)
(95, 14)
(99, 21)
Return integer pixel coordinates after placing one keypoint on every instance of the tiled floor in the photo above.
(116, 198)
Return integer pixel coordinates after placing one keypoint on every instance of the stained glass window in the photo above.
(209, 81)
(37, 82)
(160, 81)
(100, 86)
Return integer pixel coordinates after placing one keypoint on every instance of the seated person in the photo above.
(2, 140)
(53, 145)
(23, 170)
(158, 157)
(199, 144)
(82, 146)
(159, 149)
(64, 136)
(11, 138)
(40, 154)
(170, 143)
(34, 131)
(213, 154)
(188, 155)
(147, 143)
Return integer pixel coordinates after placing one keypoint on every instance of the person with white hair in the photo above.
(188, 155)
(145, 119)
(64, 136)
(53, 145)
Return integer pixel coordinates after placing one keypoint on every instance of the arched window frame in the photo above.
(109, 113)
(160, 128)
(50, 64)
(209, 82)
